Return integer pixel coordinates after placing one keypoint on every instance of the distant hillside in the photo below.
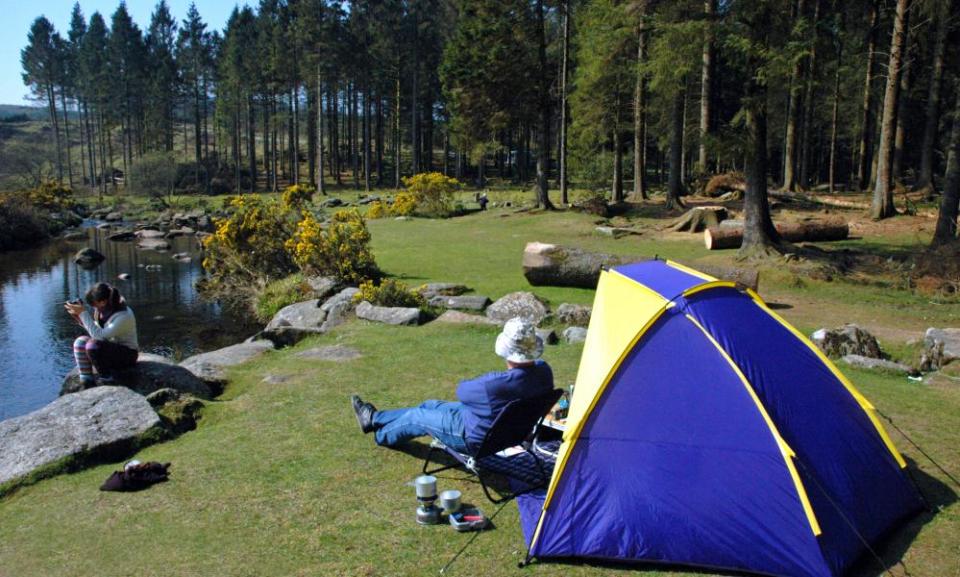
(14, 110)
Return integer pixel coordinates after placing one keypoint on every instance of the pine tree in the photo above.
(162, 87)
(40, 62)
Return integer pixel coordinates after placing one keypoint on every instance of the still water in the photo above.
(36, 334)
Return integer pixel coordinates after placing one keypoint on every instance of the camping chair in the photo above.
(515, 423)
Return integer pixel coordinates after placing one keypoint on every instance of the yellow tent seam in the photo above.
(708, 285)
(690, 271)
(865, 404)
(785, 450)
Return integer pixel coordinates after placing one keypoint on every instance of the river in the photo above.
(36, 334)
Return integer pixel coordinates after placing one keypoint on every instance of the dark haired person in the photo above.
(111, 340)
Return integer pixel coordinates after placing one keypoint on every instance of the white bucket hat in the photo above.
(519, 343)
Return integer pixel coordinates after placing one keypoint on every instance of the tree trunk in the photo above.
(706, 82)
(946, 231)
(932, 124)
(543, 142)
(319, 138)
(882, 206)
(790, 164)
(415, 109)
(836, 113)
(252, 142)
(296, 133)
(759, 235)
(379, 103)
(617, 191)
(866, 124)
(640, 113)
(564, 200)
(906, 82)
(809, 103)
(731, 236)
(366, 139)
(396, 135)
(675, 187)
(66, 130)
(52, 109)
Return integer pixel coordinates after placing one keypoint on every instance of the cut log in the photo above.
(699, 218)
(553, 265)
(731, 236)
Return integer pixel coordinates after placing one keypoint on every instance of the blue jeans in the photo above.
(440, 419)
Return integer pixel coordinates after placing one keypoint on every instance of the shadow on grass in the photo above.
(456, 472)
(894, 546)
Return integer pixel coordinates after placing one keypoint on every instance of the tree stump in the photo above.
(699, 218)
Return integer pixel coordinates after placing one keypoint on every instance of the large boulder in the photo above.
(464, 303)
(388, 315)
(212, 367)
(158, 244)
(950, 339)
(577, 315)
(338, 308)
(88, 257)
(149, 233)
(430, 290)
(295, 322)
(122, 236)
(877, 364)
(151, 373)
(323, 286)
(98, 419)
(847, 340)
(574, 334)
(461, 318)
(518, 304)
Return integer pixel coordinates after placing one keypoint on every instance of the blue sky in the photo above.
(16, 17)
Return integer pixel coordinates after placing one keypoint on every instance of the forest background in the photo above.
(620, 97)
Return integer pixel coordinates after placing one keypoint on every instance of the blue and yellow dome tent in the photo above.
(704, 430)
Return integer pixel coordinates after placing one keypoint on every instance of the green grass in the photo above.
(277, 480)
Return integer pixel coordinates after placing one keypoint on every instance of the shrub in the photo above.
(279, 294)
(404, 204)
(298, 195)
(155, 174)
(341, 248)
(50, 195)
(389, 293)
(250, 243)
(21, 225)
(433, 192)
(376, 209)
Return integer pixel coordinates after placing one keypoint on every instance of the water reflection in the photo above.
(36, 334)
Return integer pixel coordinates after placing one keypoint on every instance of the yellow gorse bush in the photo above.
(50, 195)
(265, 240)
(389, 293)
(341, 248)
(433, 192)
(297, 195)
(404, 204)
(377, 209)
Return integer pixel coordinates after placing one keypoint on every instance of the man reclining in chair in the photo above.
(462, 425)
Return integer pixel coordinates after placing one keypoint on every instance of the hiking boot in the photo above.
(364, 413)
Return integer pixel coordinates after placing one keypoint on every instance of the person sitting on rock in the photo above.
(111, 340)
(462, 425)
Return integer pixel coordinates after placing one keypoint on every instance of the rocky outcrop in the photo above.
(576, 315)
(338, 308)
(323, 286)
(877, 364)
(151, 373)
(574, 334)
(212, 367)
(461, 318)
(388, 315)
(950, 339)
(847, 340)
(88, 257)
(430, 290)
(548, 336)
(158, 244)
(98, 419)
(295, 322)
(518, 304)
(463, 303)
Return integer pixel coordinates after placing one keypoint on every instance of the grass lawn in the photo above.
(278, 480)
